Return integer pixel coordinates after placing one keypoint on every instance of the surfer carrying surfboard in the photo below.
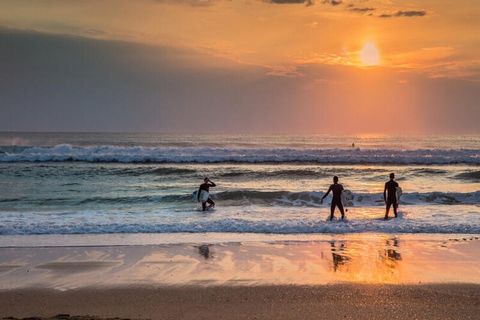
(390, 195)
(203, 194)
(336, 189)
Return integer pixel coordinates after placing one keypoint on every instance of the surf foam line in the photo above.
(267, 198)
(231, 225)
(139, 154)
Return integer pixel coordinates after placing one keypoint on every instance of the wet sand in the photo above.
(344, 277)
(371, 259)
(341, 301)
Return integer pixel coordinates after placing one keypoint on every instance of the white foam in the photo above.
(109, 153)
(250, 219)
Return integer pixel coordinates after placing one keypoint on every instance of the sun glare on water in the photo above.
(369, 55)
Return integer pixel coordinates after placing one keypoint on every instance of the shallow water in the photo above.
(142, 183)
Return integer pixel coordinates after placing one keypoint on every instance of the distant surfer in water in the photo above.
(336, 189)
(203, 194)
(390, 195)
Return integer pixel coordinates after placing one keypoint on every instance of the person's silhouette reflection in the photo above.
(204, 251)
(338, 254)
(391, 251)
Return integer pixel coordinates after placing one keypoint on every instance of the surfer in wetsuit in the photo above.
(336, 189)
(205, 187)
(390, 195)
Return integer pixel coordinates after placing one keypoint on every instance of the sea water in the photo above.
(118, 183)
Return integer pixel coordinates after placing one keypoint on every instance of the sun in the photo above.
(369, 55)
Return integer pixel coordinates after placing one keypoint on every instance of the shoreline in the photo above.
(358, 259)
(183, 238)
(339, 301)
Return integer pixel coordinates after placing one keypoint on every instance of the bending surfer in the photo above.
(390, 195)
(203, 194)
(336, 189)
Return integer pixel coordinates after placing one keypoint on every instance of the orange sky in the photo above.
(313, 47)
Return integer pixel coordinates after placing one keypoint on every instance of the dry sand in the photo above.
(340, 301)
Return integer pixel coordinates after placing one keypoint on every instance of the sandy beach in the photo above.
(250, 159)
(341, 301)
(344, 277)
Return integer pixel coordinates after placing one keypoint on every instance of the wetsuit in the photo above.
(336, 189)
(206, 187)
(390, 195)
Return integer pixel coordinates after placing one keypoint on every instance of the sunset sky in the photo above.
(241, 66)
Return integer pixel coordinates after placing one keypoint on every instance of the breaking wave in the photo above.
(139, 154)
(233, 225)
(265, 198)
(470, 175)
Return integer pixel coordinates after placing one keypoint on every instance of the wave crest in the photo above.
(139, 154)
(470, 175)
(266, 198)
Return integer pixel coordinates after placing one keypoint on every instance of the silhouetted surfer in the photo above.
(390, 195)
(336, 189)
(203, 194)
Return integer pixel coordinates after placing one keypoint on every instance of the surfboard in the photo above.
(347, 198)
(398, 194)
(203, 196)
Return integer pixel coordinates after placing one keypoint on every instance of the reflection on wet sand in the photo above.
(339, 256)
(379, 259)
(389, 260)
(392, 250)
(204, 251)
(358, 261)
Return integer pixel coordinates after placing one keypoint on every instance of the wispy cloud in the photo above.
(332, 2)
(195, 3)
(361, 9)
(406, 13)
(306, 2)
(437, 62)
(434, 62)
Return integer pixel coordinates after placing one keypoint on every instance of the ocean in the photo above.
(131, 184)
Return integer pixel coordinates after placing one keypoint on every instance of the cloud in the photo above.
(194, 3)
(69, 83)
(332, 2)
(306, 2)
(438, 62)
(72, 83)
(408, 13)
(361, 9)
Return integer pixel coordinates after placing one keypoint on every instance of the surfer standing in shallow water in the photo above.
(390, 195)
(336, 189)
(203, 194)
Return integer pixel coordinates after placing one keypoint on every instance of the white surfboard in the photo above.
(398, 194)
(203, 196)
(347, 198)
